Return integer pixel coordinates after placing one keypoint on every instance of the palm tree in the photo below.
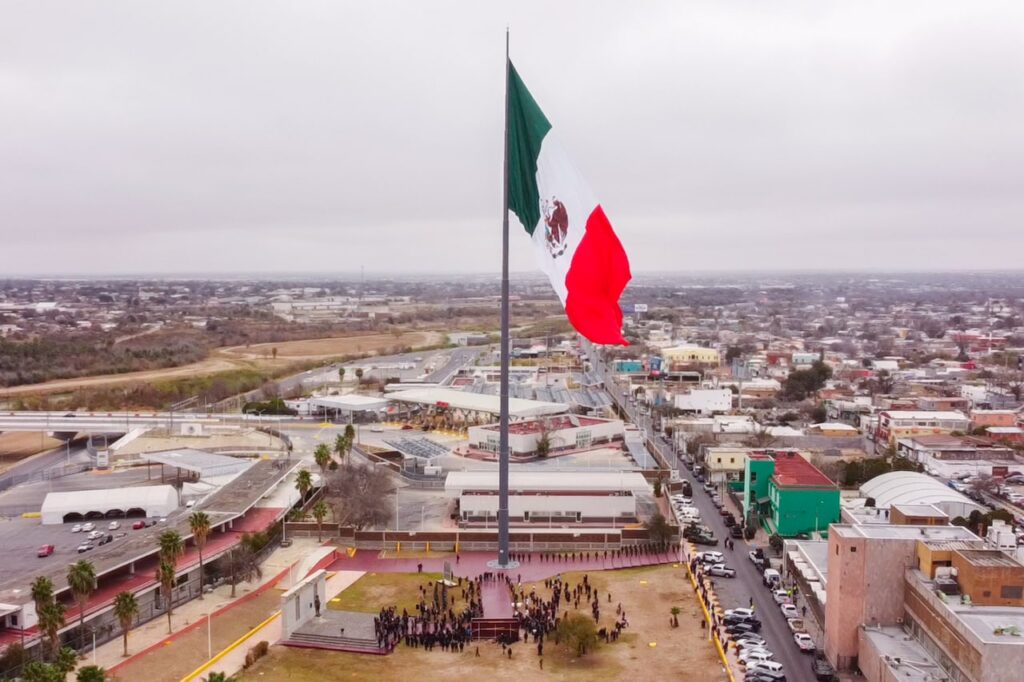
(220, 677)
(82, 581)
(350, 433)
(167, 576)
(675, 611)
(303, 483)
(51, 620)
(322, 457)
(199, 523)
(126, 609)
(42, 592)
(171, 546)
(359, 374)
(340, 445)
(319, 513)
(91, 673)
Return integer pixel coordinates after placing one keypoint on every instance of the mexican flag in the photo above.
(573, 240)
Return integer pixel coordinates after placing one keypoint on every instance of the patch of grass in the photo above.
(375, 591)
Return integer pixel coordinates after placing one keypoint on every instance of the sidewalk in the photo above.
(231, 659)
(155, 631)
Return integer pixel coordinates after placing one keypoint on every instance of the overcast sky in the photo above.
(156, 137)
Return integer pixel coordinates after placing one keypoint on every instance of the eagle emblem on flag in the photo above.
(556, 225)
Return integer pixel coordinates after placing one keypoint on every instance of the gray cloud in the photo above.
(321, 136)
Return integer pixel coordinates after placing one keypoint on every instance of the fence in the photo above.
(43, 475)
(477, 540)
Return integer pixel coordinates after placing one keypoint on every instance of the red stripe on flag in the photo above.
(596, 278)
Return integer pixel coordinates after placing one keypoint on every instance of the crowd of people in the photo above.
(436, 623)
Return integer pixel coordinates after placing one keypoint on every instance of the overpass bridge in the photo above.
(122, 422)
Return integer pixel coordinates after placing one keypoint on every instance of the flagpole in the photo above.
(503, 455)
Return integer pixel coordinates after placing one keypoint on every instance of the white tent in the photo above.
(155, 500)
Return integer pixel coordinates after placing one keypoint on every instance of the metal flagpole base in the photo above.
(494, 563)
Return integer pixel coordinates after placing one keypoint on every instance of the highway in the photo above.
(734, 592)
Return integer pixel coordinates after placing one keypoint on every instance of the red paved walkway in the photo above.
(496, 599)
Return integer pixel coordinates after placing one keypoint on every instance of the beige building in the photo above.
(725, 463)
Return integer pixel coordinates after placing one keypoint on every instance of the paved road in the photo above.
(748, 583)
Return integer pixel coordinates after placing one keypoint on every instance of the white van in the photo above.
(772, 578)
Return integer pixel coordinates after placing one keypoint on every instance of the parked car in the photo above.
(88, 526)
(711, 557)
(95, 535)
(84, 547)
(45, 550)
(708, 486)
(804, 642)
(771, 578)
(751, 656)
(739, 612)
(722, 571)
(742, 628)
(733, 620)
(796, 625)
(106, 538)
(138, 525)
(781, 597)
(757, 557)
(750, 640)
(735, 531)
(762, 675)
(766, 665)
(113, 525)
(77, 528)
(704, 540)
(789, 610)
(822, 669)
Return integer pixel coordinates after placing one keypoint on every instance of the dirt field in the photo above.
(259, 356)
(16, 446)
(187, 652)
(649, 649)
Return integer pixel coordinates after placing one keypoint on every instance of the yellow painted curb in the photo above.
(231, 647)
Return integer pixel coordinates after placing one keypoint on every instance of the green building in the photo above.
(787, 495)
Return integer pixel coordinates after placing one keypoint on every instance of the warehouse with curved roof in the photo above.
(110, 503)
(910, 487)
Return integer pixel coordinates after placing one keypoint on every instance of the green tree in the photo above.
(171, 546)
(199, 524)
(675, 611)
(67, 659)
(220, 677)
(91, 673)
(41, 672)
(658, 529)
(350, 434)
(167, 576)
(82, 581)
(359, 374)
(51, 620)
(322, 457)
(42, 592)
(578, 633)
(303, 483)
(126, 610)
(775, 542)
(804, 382)
(319, 513)
(341, 374)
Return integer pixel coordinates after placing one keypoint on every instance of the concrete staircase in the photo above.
(357, 645)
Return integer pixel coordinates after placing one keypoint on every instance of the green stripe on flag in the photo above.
(527, 127)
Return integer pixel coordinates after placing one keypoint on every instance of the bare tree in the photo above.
(985, 484)
(361, 495)
(760, 438)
